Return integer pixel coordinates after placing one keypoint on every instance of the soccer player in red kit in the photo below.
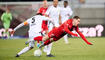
(58, 32)
(42, 10)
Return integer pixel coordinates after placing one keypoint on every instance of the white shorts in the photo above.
(31, 38)
(31, 43)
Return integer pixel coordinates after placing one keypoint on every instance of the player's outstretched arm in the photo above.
(20, 25)
(12, 32)
(83, 37)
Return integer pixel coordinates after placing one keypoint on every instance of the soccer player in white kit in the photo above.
(42, 10)
(34, 30)
(66, 12)
(54, 13)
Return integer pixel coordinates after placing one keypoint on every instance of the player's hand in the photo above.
(89, 43)
(12, 32)
(76, 35)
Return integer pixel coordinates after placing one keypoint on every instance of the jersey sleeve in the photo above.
(27, 21)
(70, 11)
(19, 26)
(10, 16)
(2, 17)
(39, 10)
(82, 36)
(48, 11)
(22, 24)
(59, 11)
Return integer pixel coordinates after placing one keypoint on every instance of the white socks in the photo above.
(47, 49)
(24, 50)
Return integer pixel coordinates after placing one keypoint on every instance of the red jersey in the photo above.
(65, 28)
(44, 23)
(42, 10)
(59, 32)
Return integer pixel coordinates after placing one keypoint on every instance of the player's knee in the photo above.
(51, 40)
(45, 38)
(31, 47)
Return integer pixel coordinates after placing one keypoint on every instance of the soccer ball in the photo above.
(37, 52)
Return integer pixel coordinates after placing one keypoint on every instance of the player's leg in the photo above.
(48, 38)
(6, 26)
(41, 38)
(23, 51)
(31, 46)
(46, 42)
(31, 43)
(66, 39)
(47, 49)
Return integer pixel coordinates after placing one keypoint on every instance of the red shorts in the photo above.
(56, 34)
(44, 25)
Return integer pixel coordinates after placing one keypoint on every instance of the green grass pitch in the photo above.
(77, 49)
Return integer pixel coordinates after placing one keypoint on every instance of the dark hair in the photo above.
(76, 17)
(38, 13)
(66, 2)
(44, 0)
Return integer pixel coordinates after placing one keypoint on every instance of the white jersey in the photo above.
(54, 12)
(65, 13)
(35, 23)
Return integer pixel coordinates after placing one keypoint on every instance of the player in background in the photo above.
(53, 12)
(42, 10)
(66, 12)
(6, 19)
(34, 23)
(58, 32)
